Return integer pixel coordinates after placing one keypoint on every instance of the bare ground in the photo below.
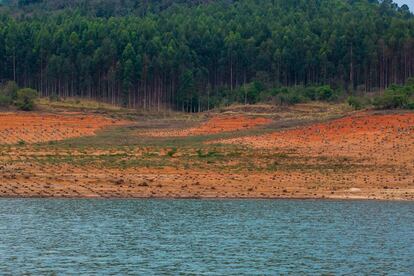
(306, 151)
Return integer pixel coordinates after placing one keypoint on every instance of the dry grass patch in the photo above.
(215, 125)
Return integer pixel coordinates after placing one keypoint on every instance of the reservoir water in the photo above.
(208, 237)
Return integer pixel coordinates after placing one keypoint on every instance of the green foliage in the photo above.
(193, 55)
(290, 97)
(325, 93)
(256, 92)
(25, 99)
(396, 97)
(253, 92)
(5, 101)
(359, 102)
(391, 100)
(300, 94)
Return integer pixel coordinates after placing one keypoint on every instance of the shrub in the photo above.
(290, 98)
(325, 93)
(396, 97)
(358, 102)
(25, 99)
(5, 101)
(300, 94)
(390, 100)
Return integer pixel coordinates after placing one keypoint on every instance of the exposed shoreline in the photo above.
(241, 155)
(213, 198)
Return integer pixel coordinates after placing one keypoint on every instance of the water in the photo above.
(254, 237)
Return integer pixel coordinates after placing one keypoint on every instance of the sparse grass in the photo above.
(208, 158)
(74, 103)
(121, 147)
(114, 111)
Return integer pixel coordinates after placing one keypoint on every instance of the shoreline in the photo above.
(360, 156)
(363, 199)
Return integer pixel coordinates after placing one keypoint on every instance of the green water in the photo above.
(158, 237)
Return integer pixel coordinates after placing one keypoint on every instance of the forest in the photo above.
(194, 55)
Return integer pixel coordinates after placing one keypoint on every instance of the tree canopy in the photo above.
(194, 54)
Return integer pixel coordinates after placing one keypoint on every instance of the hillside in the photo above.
(197, 55)
(313, 150)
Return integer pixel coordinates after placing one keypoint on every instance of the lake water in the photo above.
(257, 237)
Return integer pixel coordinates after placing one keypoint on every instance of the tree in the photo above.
(191, 55)
(25, 99)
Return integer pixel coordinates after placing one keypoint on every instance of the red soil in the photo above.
(372, 158)
(213, 126)
(360, 133)
(35, 128)
(376, 140)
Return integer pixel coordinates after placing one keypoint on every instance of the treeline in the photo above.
(194, 55)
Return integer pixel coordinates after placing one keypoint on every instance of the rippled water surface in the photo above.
(205, 237)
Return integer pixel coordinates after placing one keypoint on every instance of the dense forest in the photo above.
(193, 55)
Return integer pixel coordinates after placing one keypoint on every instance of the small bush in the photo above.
(25, 99)
(300, 94)
(391, 100)
(325, 93)
(290, 98)
(396, 97)
(5, 101)
(359, 102)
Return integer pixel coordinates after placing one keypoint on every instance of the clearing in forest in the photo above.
(36, 128)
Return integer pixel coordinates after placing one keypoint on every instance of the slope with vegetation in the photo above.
(193, 55)
(310, 150)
